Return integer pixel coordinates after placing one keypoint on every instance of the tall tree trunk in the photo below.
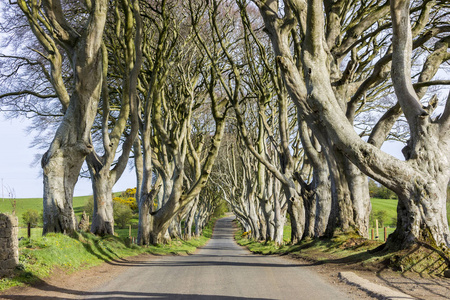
(175, 231)
(323, 197)
(62, 162)
(103, 174)
(144, 226)
(279, 215)
(253, 215)
(190, 219)
(429, 225)
(320, 184)
(145, 204)
(421, 210)
(359, 193)
(103, 217)
(61, 170)
(138, 166)
(309, 200)
(296, 211)
(351, 200)
(267, 206)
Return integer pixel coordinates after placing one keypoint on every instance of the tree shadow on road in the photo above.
(73, 294)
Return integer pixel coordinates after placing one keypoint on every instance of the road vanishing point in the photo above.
(221, 270)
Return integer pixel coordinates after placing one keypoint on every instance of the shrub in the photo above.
(381, 216)
(122, 214)
(128, 198)
(89, 207)
(32, 216)
(131, 192)
(130, 202)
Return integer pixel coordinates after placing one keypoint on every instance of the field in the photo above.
(387, 205)
(22, 205)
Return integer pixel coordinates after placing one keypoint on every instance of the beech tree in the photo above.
(124, 42)
(36, 97)
(311, 79)
(59, 37)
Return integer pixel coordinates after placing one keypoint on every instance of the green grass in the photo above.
(37, 232)
(23, 204)
(448, 212)
(389, 206)
(124, 232)
(287, 233)
(349, 249)
(39, 255)
(381, 236)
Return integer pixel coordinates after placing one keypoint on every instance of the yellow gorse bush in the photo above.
(131, 192)
(128, 198)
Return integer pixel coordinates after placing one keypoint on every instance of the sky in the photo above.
(19, 179)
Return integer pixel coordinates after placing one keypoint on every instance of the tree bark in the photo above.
(190, 219)
(296, 211)
(103, 217)
(323, 196)
(60, 176)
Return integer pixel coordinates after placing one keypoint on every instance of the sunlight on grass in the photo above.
(39, 255)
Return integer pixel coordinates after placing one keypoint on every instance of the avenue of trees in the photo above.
(279, 108)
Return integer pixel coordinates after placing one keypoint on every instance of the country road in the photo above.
(220, 270)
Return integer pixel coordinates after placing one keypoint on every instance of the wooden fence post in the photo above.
(376, 226)
(29, 230)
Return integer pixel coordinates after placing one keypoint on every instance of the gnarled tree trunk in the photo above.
(103, 217)
(61, 164)
(61, 169)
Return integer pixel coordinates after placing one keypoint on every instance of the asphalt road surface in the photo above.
(220, 270)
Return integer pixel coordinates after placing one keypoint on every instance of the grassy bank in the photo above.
(353, 252)
(40, 255)
(24, 204)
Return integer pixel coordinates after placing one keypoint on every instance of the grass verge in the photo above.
(38, 257)
(352, 251)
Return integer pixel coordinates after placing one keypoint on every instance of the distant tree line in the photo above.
(379, 191)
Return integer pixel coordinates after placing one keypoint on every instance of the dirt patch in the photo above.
(60, 285)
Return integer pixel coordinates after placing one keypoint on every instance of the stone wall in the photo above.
(9, 244)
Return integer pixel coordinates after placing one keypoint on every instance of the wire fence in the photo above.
(35, 232)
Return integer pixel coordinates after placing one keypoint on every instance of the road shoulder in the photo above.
(61, 285)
